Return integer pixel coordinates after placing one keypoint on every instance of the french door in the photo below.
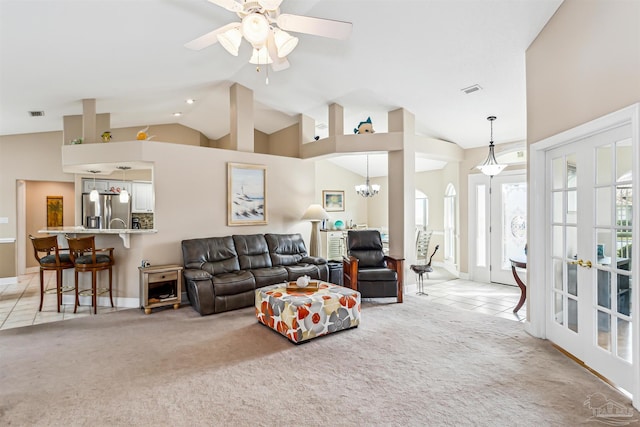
(589, 261)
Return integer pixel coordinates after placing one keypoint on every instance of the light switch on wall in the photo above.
(4, 220)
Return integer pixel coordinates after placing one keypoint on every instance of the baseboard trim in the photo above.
(8, 281)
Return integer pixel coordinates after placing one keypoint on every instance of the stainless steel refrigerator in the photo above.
(107, 212)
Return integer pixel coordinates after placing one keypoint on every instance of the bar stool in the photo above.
(53, 260)
(95, 260)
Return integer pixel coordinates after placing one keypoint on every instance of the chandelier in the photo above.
(491, 166)
(367, 190)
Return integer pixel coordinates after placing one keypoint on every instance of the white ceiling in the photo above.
(129, 56)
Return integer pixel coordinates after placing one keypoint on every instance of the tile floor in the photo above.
(487, 298)
(19, 302)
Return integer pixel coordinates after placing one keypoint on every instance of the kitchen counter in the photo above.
(124, 233)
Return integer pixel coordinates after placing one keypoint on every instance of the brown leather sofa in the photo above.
(222, 273)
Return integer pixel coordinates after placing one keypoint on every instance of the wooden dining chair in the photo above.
(50, 257)
(86, 258)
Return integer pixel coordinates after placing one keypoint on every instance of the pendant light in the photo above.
(93, 195)
(124, 194)
(491, 166)
(367, 190)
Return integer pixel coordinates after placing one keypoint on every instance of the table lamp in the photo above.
(315, 214)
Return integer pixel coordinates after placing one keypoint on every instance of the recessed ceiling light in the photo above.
(190, 101)
(177, 114)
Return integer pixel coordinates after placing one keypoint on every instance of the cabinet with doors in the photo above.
(105, 185)
(333, 245)
(142, 197)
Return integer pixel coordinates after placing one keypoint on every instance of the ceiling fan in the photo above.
(265, 28)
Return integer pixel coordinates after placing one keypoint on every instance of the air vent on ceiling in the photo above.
(471, 89)
(36, 113)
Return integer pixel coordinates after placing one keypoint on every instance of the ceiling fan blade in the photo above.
(278, 63)
(315, 26)
(209, 38)
(269, 4)
(231, 5)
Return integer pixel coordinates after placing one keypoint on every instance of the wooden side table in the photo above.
(160, 285)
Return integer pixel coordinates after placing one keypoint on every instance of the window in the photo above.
(450, 224)
(422, 210)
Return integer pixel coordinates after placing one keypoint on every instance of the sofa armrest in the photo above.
(195, 275)
(314, 260)
(350, 272)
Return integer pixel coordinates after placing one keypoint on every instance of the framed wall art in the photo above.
(333, 200)
(246, 194)
(54, 211)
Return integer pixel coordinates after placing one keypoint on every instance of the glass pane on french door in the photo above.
(613, 191)
(564, 241)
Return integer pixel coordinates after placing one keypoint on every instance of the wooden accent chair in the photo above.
(368, 270)
(86, 258)
(49, 256)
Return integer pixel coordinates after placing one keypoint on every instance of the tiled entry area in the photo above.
(19, 303)
(487, 298)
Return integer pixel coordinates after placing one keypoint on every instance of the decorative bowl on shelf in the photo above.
(339, 225)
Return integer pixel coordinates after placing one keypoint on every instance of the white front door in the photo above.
(498, 226)
(508, 224)
(589, 266)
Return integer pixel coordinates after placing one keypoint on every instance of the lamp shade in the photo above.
(231, 40)
(315, 213)
(285, 42)
(260, 56)
(255, 29)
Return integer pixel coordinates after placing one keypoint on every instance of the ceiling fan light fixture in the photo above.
(260, 56)
(255, 29)
(231, 40)
(285, 42)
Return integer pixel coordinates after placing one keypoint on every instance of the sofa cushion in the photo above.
(376, 275)
(233, 283)
(270, 276)
(252, 251)
(215, 255)
(300, 270)
(286, 249)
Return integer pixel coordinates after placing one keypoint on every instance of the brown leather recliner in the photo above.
(368, 270)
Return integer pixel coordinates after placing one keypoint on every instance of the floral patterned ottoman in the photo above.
(301, 315)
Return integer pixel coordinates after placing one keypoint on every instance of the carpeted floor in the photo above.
(417, 363)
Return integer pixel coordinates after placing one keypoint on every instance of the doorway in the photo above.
(498, 228)
(582, 256)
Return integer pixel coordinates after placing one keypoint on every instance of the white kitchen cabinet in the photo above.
(142, 197)
(102, 185)
(117, 186)
(105, 186)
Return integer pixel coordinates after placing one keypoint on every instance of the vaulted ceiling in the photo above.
(130, 57)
